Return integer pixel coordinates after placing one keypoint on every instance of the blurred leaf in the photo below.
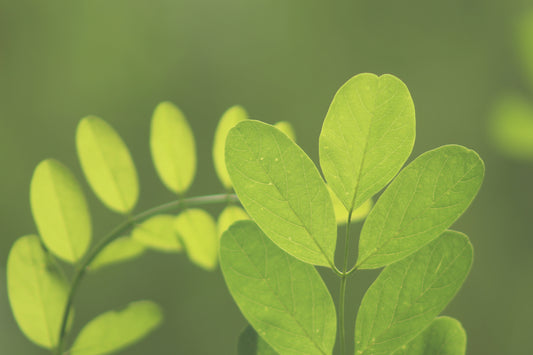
(37, 291)
(252, 344)
(445, 336)
(60, 210)
(107, 164)
(173, 147)
(284, 299)
(228, 216)
(281, 189)
(408, 295)
(158, 233)
(198, 233)
(286, 128)
(119, 250)
(341, 214)
(367, 136)
(229, 119)
(115, 330)
(420, 204)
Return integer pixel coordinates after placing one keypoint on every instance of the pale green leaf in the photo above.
(115, 330)
(420, 204)
(158, 233)
(341, 214)
(286, 128)
(445, 336)
(60, 210)
(408, 295)
(119, 250)
(228, 216)
(284, 299)
(198, 233)
(173, 147)
(252, 344)
(37, 291)
(107, 164)
(229, 119)
(281, 189)
(367, 136)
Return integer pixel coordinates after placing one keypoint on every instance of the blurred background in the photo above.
(468, 65)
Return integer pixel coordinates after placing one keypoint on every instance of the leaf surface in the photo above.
(119, 250)
(158, 233)
(286, 128)
(341, 214)
(252, 344)
(228, 216)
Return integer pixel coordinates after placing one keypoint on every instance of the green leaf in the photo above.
(284, 299)
(229, 119)
(198, 233)
(228, 216)
(252, 344)
(286, 128)
(60, 210)
(37, 291)
(341, 214)
(281, 189)
(119, 250)
(445, 336)
(408, 295)
(173, 147)
(158, 233)
(367, 136)
(107, 164)
(115, 330)
(420, 204)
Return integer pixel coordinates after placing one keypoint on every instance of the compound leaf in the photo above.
(173, 147)
(252, 344)
(158, 233)
(367, 136)
(409, 294)
(37, 291)
(107, 164)
(60, 210)
(283, 192)
(284, 299)
(228, 216)
(119, 250)
(286, 128)
(420, 204)
(115, 330)
(341, 214)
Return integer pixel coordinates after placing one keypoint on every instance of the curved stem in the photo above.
(115, 233)
(342, 291)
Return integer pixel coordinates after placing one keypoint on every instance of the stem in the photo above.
(115, 233)
(342, 292)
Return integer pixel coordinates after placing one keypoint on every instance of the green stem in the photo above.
(117, 232)
(342, 292)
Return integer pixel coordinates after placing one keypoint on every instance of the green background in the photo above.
(282, 60)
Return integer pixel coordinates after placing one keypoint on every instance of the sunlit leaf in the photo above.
(409, 294)
(37, 291)
(286, 128)
(229, 119)
(173, 147)
(119, 250)
(281, 189)
(60, 210)
(367, 136)
(341, 214)
(198, 233)
(158, 233)
(284, 299)
(228, 216)
(115, 330)
(252, 344)
(107, 164)
(420, 204)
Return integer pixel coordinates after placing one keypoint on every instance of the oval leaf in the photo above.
(107, 164)
(229, 119)
(367, 136)
(198, 233)
(283, 192)
(173, 147)
(341, 214)
(284, 299)
(420, 204)
(252, 344)
(158, 233)
(228, 216)
(37, 291)
(60, 210)
(408, 295)
(286, 128)
(119, 250)
(115, 330)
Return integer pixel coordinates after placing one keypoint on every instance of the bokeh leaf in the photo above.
(198, 233)
(173, 147)
(408, 295)
(367, 136)
(229, 119)
(286, 128)
(115, 330)
(341, 214)
(281, 189)
(37, 291)
(107, 164)
(119, 250)
(284, 299)
(228, 216)
(158, 233)
(252, 344)
(420, 204)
